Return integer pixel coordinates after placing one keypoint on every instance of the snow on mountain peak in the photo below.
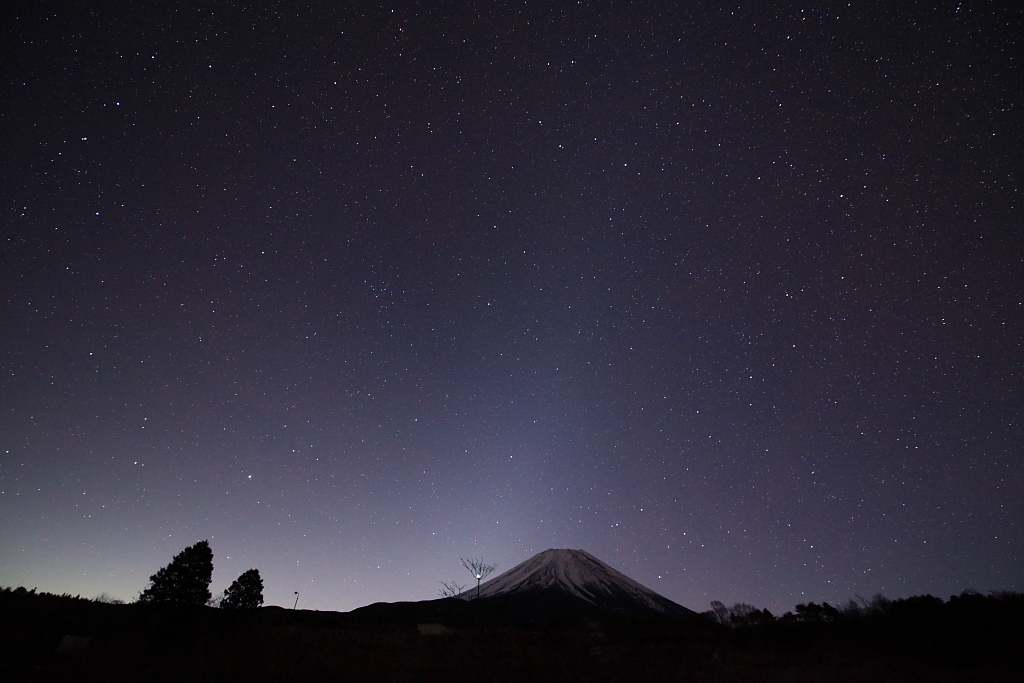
(575, 572)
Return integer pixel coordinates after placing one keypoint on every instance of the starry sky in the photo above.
(728, 295)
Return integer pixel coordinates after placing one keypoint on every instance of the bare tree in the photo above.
(450, 589)
(479, 569)
(719, 612)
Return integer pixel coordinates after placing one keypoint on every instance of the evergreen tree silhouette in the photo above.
(186, 580)
(245, 593)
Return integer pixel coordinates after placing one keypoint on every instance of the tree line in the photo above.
(742, 615)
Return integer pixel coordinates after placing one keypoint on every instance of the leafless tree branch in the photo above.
(479, 569)
(450, 589)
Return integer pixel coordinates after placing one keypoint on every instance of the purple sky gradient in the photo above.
(730, 298)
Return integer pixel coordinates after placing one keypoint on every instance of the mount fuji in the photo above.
(575, 580)
(557, 584)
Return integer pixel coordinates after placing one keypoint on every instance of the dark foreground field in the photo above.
(981, 640)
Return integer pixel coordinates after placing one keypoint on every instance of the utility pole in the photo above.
(296, 600)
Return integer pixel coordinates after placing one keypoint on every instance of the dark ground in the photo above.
(973, 638)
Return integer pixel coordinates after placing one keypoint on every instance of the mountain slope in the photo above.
(572, 580)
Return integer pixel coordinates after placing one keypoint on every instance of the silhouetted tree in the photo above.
(740, 614)
(479, 569)
(450, 589)
(813, 612)
(245, 593)
(879, 604)
(186, 580)
(718, 613)
(852, 609)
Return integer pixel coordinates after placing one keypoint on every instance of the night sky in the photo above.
(728, 295)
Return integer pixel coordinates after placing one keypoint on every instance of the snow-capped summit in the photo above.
(574, 577)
